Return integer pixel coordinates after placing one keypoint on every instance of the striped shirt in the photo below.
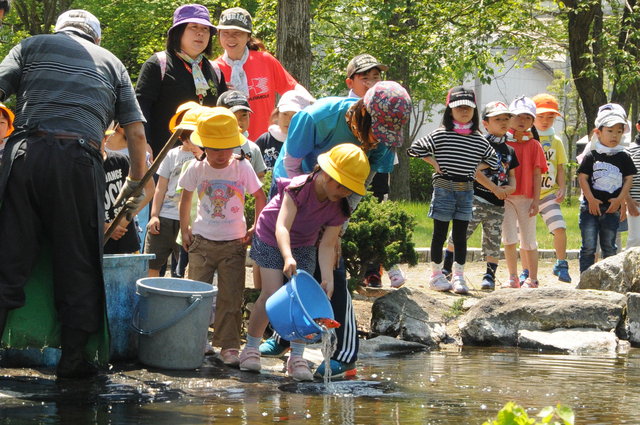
(634, 153)
(458, 156)
(65, 83)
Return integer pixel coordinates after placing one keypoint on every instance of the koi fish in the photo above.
(327, 323)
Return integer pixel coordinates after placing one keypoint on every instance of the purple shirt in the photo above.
(311, 216)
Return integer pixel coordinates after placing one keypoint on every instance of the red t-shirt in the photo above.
(265, 77)
(530, 155)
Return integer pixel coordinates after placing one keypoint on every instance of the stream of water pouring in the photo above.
(329, 345)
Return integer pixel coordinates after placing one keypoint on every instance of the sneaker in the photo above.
(271, 348)
(459, 285)
(298, 369)
(250, 360)
(397, 276)
(488, 282)
(530, 283)
(561, 269)
(373, 281)
(338, 370)
(513, 282)
(439, 283)
(523, 276)
(230, 357)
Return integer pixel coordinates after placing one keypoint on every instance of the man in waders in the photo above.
(52, 183)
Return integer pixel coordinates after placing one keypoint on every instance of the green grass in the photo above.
(424, 229)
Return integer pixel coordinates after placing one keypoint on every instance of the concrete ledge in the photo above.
(475, 254)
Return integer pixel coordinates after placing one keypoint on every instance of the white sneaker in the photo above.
(439, 283)
(397, 277)
(459, 285)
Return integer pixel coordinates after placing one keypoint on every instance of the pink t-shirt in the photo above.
(220, 215)
(311, 216)
(265, 77)
(530, 155)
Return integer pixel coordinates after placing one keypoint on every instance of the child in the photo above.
(6, 126)
(490, 190)
(363, 72)
(238, 103)
(164, 223)
(605, 176)
(218, 239)
(633, 200)
(270, 143)
(553, 184)
(455, 150)
(521, 207)
(286, 236)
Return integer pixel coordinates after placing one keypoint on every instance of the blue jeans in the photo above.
(606, 225)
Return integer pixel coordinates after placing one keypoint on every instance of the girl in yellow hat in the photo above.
(286, 236)
(6, 126)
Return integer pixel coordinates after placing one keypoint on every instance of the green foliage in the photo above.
(250, 201)
(420, 173)
(512, 414)
(455, 310)
(378, 233)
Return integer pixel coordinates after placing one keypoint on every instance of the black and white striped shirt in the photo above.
(458, 156)
(634, 153)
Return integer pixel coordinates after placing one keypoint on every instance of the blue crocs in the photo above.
(270, 348)
(338, 370)
(523, 276)
(561, 269)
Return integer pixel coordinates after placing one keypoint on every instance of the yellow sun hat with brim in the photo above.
(190, 118)
(11, 116)
(348, 165)
(180, 112)
(217, 128)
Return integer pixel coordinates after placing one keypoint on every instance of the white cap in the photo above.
(293, 101)
(80, 21)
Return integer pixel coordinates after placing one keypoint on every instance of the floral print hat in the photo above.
(389, 105)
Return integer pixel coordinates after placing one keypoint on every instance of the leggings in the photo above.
(458, 235)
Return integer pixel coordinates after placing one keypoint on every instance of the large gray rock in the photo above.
(620, 273)
(385, 345)
(633, 318)
(497, 319)
(577, 341)
(409, 315)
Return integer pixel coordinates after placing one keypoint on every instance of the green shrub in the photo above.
(512, 414)
(378, 233)
(420, 180)
(250, 201)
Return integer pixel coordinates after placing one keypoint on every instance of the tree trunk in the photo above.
(40, 21)
(293, 41)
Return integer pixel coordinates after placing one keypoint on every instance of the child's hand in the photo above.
(594, 207)
(290, 267)
(614, 205)
(187, 239)
(154, 226)
(560, 194)
(328, 288)
(533, 209)
(632, 209)
(500, 192)
(246, 241)
(118, 233)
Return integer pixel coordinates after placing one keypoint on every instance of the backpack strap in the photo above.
(162, 59)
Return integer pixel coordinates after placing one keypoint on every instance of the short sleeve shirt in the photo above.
(507, 160)
(116, 169)
(606, 173)
(530, 156)
(171, 168)
(270, 148)
(556, 155)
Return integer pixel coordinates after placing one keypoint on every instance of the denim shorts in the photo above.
(447, 205)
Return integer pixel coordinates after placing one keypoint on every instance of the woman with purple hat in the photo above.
(180, 73)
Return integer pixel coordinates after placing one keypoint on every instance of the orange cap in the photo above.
(546, 103)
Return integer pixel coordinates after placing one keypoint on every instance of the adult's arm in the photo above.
(137, 144)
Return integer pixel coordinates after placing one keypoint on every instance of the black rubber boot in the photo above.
(72, 364)
(4, 313)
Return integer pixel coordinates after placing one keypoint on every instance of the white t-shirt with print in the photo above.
(221, 195)
(170, 168)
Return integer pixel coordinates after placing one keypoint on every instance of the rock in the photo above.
(409, 315)
(620, 273)
(633, 318)
(383, 345)
(577, 341)
(497, 318)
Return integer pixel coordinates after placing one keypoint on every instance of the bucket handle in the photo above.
(195, 300)
(295, 328)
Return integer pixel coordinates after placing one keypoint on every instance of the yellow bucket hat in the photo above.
(11, 119)
(180, 112)
(217, 128)
(348, 165)
(190, 118)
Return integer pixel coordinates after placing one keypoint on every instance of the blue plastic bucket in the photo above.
(172, 318)
(121, 272)
(293, 308)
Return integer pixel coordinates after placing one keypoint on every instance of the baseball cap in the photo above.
(461, 96)
(236, 18)
(546, 103)
(293, 101)
(609, 118)
(493, 109)
(11, 117)
(79, 20)
(362, 63)
(389, 105)
(217, 128)
(192, 13)
(523, 105)
(234, 100)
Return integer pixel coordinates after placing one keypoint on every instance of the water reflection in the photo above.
(442, 387)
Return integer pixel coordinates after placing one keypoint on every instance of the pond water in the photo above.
(447, 386)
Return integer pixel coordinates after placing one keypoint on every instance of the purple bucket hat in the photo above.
(389, 105)
(195, 13)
